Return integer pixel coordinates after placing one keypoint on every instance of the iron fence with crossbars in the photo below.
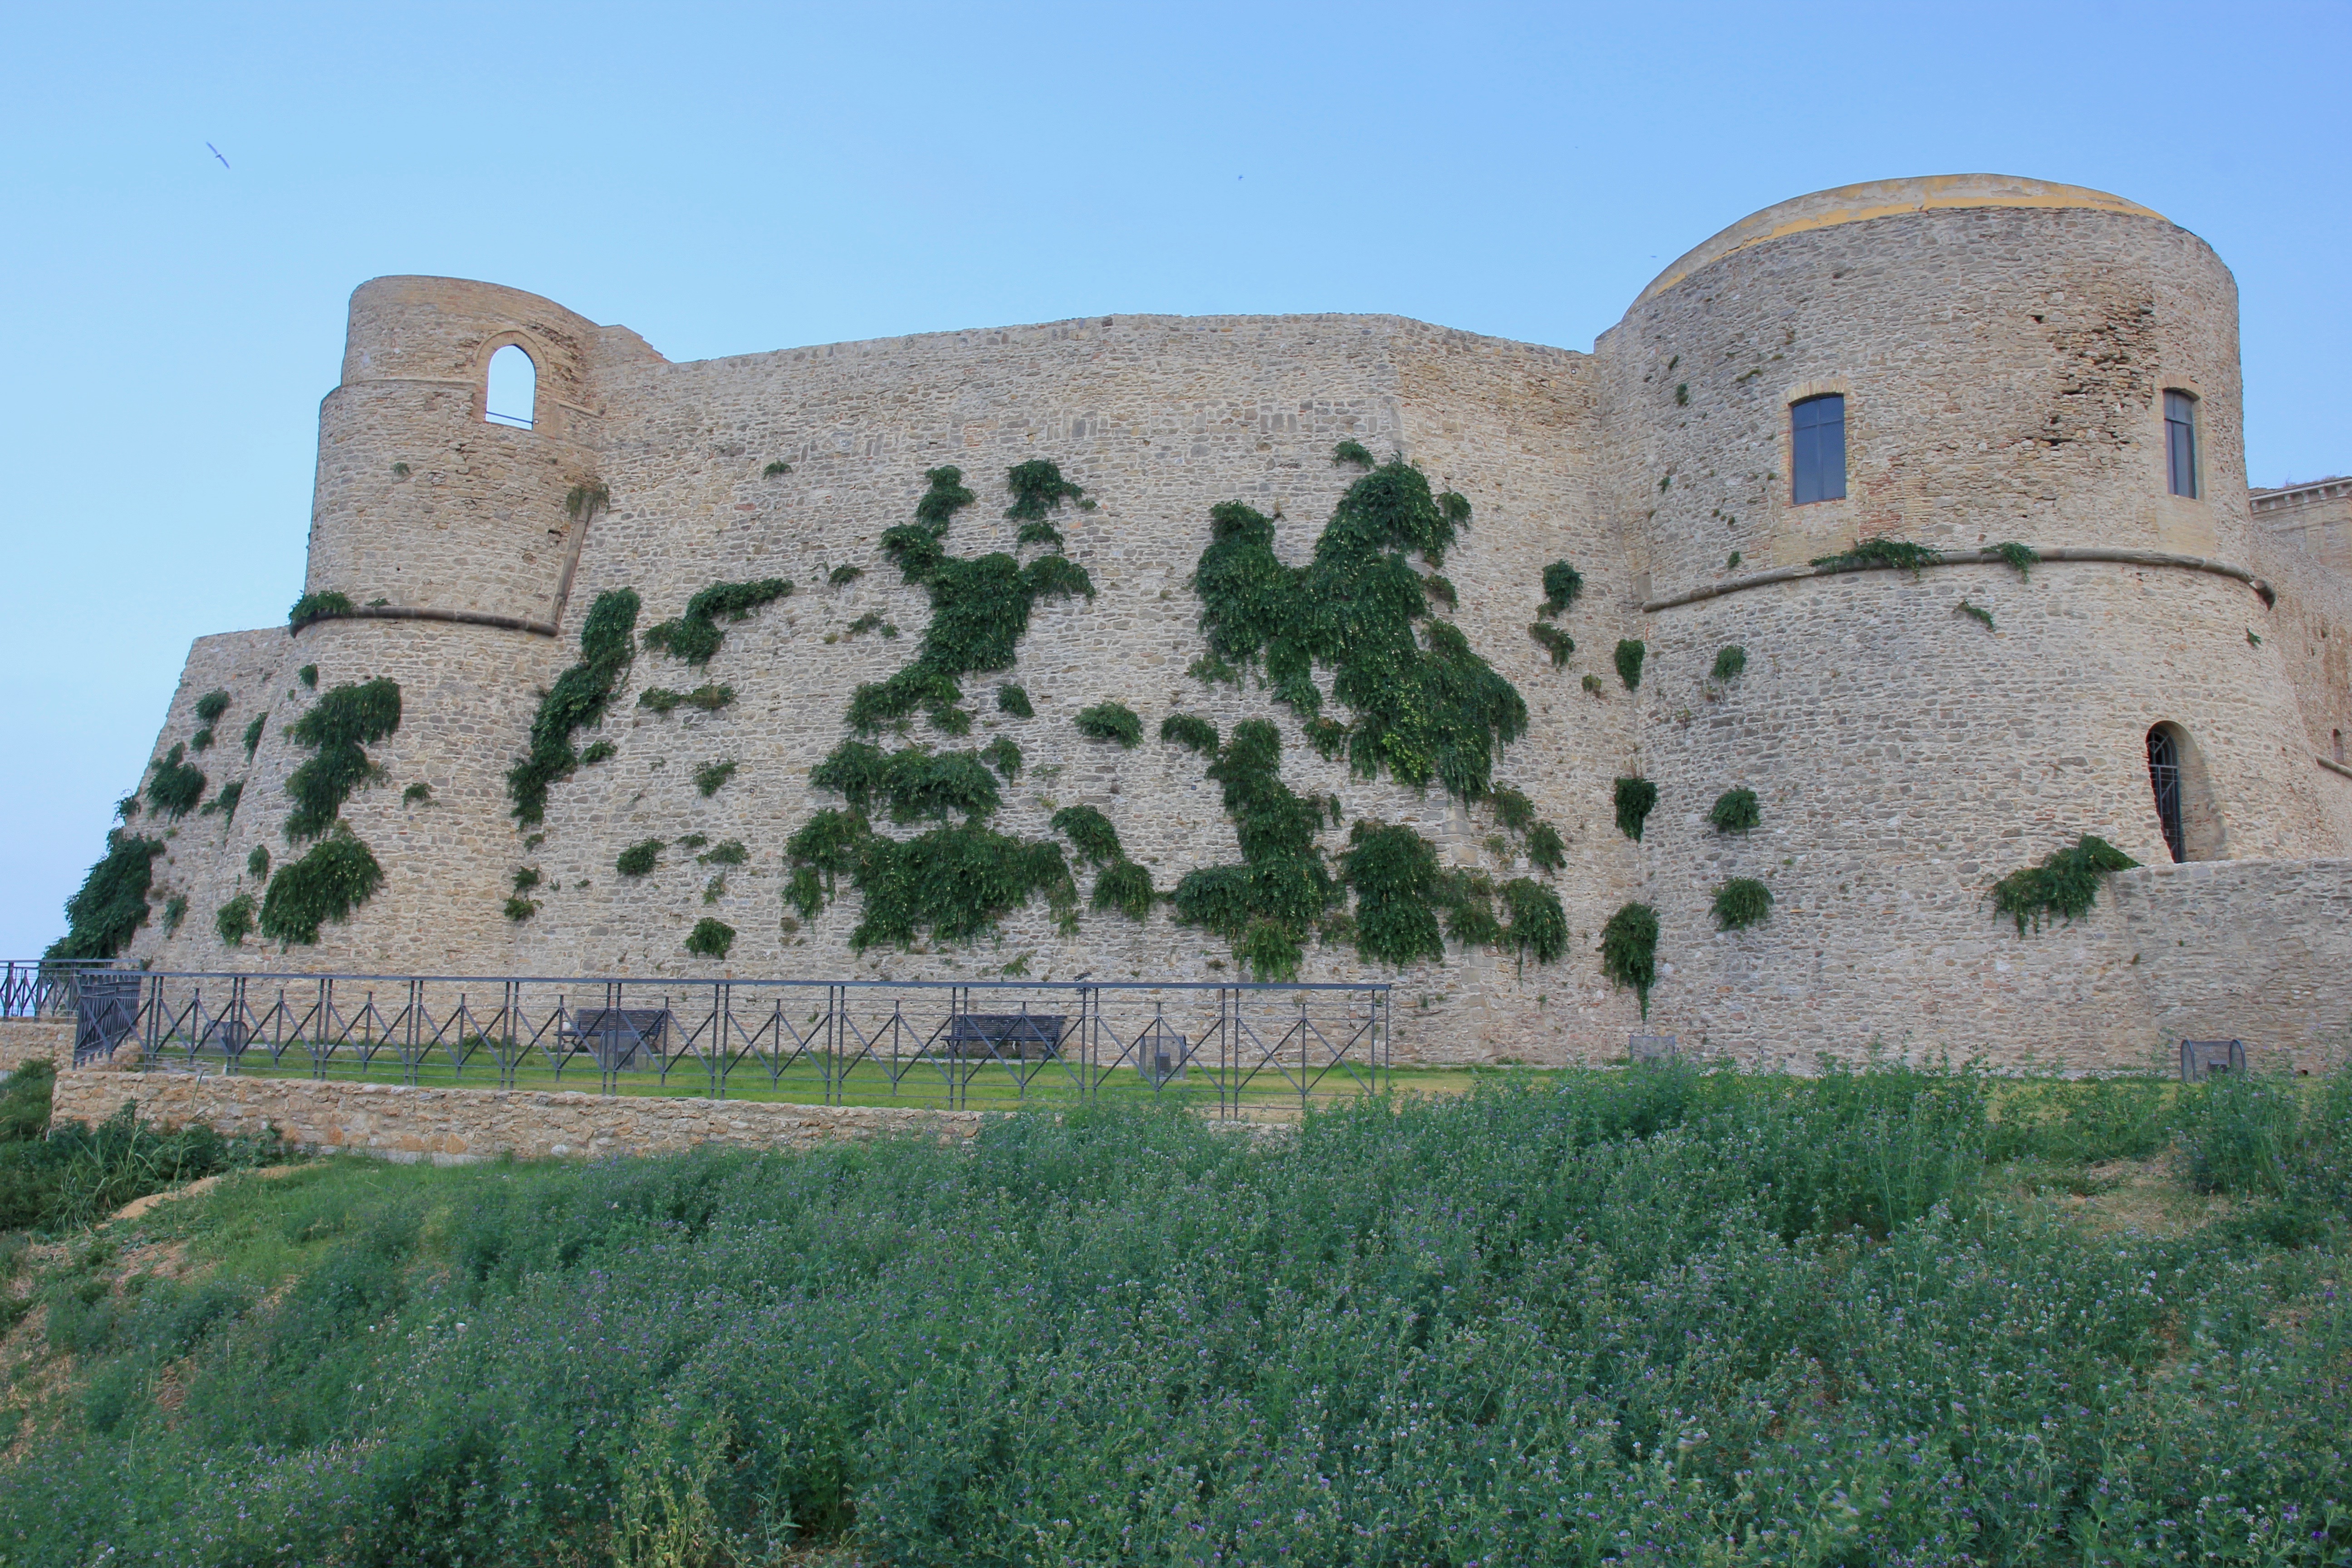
(1235, 1048)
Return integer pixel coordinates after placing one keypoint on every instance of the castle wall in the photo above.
(2003, 368)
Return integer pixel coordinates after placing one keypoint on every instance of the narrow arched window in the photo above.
(2180, 443)
(513, 390)
(1817, 449)
(2163, 777)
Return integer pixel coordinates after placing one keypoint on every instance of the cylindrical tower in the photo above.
(424, 501)
(1956, 362)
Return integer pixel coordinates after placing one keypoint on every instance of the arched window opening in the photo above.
(513, 390)
(2164, 776)
(2180, 443)
(1817, 449)
(2184, 806)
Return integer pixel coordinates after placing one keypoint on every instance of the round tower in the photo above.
(428, 499)
(1959, 363)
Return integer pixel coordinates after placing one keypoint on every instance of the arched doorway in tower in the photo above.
(2183, 795)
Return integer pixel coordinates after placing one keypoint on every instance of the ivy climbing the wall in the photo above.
(319, 606)
(1629, 949)
(177, 786)
(1631, 651)
(1267, 905)
(1635, 799)
(1119, 883)
(1741, 902)
(337, 875)
(1735, 811)
(1039, 490)
(1112, 722)
(337, 727)
(954, 881)
(2063, 886)
(110, 905)
(578, 699)
(696, 636)
(1426, 709)
(979, 611)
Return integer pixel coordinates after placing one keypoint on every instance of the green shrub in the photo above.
(1015, 701)
(709, 776)
(711, 938)
(776, 469)
(1193, 734)
(254, 730)
(1629, 949)
(1353, 451)
(1630, 654)
(1977, 613)
(2085, 1121)
(177, 786)
(1538, 926)
(1741, 902)
(1284, 881)
(639, 858)
(335, 878)
(1735, 811)
(1546, 851)
(1558, 643)
(175, 912)
(1038, 488)
(1729, 662)
(256, 865)
(1513, 810)
(1112, 722)
(1563, 584)
(418, 794)
(110, 905)
(234, 919)
(2063, 886)
(225, 803)
(336, 728)
(519, 909)
(211, 706)
(1635, 800)
(319, 606)
(578, 699)
(308, 676)
(842, 576)
(583, 500)
(1394, 874)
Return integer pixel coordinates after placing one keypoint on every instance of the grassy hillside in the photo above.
(1648, 1316)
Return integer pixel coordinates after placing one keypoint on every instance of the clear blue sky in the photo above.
(729, 179)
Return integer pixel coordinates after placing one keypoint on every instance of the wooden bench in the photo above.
(616, 1035)
(1007, 1037)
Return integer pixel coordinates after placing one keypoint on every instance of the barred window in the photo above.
(2181, 442)
(1817, 449)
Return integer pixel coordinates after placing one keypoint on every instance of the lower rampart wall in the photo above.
(455, 1126)
(26, 1040)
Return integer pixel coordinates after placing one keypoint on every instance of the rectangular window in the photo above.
(2181, 442)
(1817, 449)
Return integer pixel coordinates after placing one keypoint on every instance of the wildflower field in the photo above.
(1657, 1315)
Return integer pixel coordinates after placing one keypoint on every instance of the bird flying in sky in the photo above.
(216, 153)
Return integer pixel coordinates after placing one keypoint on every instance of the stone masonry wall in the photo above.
(2003, 369)
(451, 1126)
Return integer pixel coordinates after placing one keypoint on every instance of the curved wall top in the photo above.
(1886, 198)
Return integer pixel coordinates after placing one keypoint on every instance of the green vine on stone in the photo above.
(337, 728)
(321, 607)
(710, 775)
(710, 698)
(337, 875)
(1563, 585)
(234, 919)
(711, 938)
(2022, 556)
(1629, 951)
(1426, 708)
(1635, 798)
(1038, 488)
(1735, 811)
(1730, 661)
(1558, 643)
(1195, 734)
(1631, 651)
(1015, 700)
(639, 858)
(110, 905)
(1267, 905)
(2063, 886)
(1546, 850)
(254, 730)
(1977, 613)
(696, 636)
(1741, 902)
(177, 784)
(1112, 722)
(1895, 554)
(578, 699)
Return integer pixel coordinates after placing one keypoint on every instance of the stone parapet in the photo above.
(456, 1126)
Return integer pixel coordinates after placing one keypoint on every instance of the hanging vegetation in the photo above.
(337, 875)
(1112, 722)
(1900, 554)
(663, 700)
(1735, 811)
(1629, 949)
(254, 730)
(1546, 850)
(1728, 663)
(1015, 701)
(1636, 797)
(696, 636)
(2063, 886)
(711, 938)
(578, 699)
(1631, 651)
(110, 905)
(1563, 585)
(1426, 709)
(1741, 902)
(1558, 643)
(319, 606)
(234, 919)
(1195, 734)
(177, 784)
(1283, 887)
(337, 727)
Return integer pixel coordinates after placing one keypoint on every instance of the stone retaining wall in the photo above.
(454, 1126)
(24, 1040)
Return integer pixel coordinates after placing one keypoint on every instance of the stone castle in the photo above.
(1955, 363)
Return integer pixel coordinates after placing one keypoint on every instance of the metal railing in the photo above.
(1235, 1048)
(39, 988)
